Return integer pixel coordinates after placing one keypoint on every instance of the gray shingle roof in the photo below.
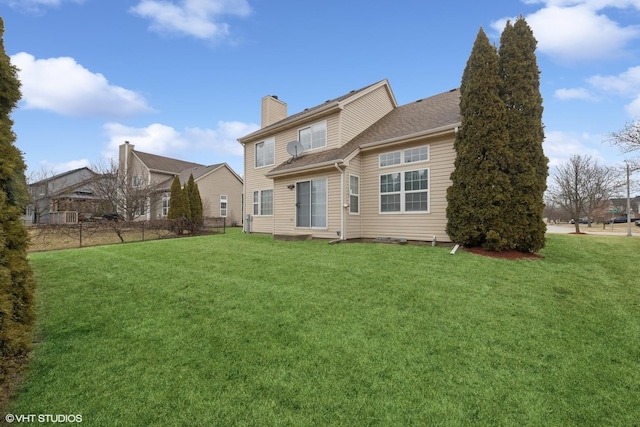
(164, 164)
(308, 111)
(420, 116)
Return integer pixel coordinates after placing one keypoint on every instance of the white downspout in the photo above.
(342, 207)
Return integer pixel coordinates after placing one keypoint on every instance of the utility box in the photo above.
(247, 223)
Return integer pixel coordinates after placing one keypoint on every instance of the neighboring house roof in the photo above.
(414, 119)
(164, 164)
(308, 112)
(66, 186)
(623, 201)
(198, 173)
(61, 175)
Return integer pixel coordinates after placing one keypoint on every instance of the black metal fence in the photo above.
(47, 237)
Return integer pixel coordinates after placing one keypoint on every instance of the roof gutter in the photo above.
(293, 171)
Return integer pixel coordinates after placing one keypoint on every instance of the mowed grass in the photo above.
(243, 330)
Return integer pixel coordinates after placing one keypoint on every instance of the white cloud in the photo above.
(164, 140)
(579, 33)
(36, 5)
(196, 18)
(65, 87)
(48, 169)
(559, 146)
(579, 30)
(577, 93)
(625, 83)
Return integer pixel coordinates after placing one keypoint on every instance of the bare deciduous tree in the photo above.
(124, 200)
(628, 140)
(581, 186)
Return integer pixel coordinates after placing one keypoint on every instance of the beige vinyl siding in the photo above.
(255, 177)
(285, 209)
(363, 112)
(254, 181)
(221, 182)
(353, 222)
(412, 226)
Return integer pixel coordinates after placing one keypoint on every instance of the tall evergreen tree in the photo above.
(481, 188)
(528, 172)
(16, 278)
(177, 207)
(195, 204)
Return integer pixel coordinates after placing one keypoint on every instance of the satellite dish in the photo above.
(295, 148)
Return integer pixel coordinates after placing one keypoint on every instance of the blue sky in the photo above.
(184, 78)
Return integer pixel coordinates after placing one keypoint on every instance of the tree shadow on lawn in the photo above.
(508, 255)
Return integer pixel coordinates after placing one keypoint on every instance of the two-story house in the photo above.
(63, 198)
(219, 185)
(368, 168)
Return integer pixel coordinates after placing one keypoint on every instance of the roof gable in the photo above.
(419, 117)
(198, 172)
(329, 105)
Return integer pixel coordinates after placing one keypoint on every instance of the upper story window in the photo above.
(390, 159)
(265, 153)
(136, 181)
(410, 155)
(419, 154)
(314, 136)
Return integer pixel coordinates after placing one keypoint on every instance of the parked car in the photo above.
(638, 223)
(618, 220)
(112, 216)
(581, 221)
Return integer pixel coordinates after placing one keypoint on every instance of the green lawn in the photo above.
(243, 330)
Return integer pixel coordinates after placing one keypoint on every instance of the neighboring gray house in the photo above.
(63, 198)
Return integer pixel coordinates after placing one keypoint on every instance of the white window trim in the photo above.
(389, 152)
(403, 161)
(326, 204)
(167, 197)
(272, 141)
(259, 202)
(326, 132)
(224, 199)
(351, 194)
(403, 192)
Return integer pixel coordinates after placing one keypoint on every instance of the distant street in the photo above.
(618, 229)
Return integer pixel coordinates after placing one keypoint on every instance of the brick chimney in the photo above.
(273, 110)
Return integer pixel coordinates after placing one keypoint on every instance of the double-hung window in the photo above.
(314, 136)
(406, 191)
(223, 206)
(263, 202)
(165, 204)
(311, 204)
(265, 153)
(354, 194)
